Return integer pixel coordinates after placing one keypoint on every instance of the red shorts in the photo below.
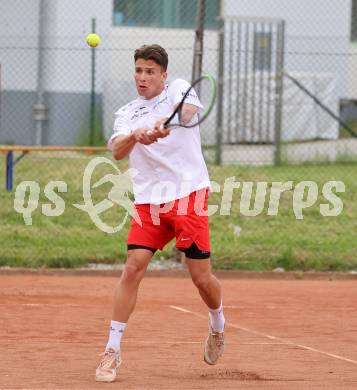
(186, 219)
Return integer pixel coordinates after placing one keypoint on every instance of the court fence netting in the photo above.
(286, 112)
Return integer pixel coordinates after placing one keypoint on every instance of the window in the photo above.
(163, 13)
(262, 51)
(354, 21)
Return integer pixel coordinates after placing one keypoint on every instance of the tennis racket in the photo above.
(202, 93)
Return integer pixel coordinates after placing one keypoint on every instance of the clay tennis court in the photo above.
(281, 333)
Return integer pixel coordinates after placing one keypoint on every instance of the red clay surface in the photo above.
(281, 334)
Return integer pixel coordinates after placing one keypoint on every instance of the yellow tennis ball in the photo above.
(93, 40)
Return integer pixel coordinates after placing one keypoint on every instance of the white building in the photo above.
(317, 41)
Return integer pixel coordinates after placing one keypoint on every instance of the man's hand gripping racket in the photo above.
(195, 106)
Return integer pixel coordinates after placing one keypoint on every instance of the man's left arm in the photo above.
(187, 112)
(192, 105)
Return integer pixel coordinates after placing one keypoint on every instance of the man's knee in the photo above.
(133, 270)
(202, 281)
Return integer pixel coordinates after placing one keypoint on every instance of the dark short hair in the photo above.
(155, 53)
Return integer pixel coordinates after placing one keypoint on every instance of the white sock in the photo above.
(217, 319)
(115, 334)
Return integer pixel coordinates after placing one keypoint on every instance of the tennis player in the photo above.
(170, 190)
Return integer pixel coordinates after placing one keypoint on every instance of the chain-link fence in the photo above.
(286, 113)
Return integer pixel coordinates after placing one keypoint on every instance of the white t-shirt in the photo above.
(174, 166)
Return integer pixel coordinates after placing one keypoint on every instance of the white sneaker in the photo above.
(214, 346)
(108, 366)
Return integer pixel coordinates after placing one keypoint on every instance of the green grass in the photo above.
(346, 134)
(265, 242)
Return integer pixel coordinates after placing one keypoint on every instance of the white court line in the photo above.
(181, 309)
(283, 341)
(9, 340)
(188, 342)
(42, 305)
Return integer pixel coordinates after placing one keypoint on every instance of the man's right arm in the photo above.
(123, 144)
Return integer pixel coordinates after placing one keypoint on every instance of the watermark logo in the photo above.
(118, 195)
(26, 206)
(255, 197)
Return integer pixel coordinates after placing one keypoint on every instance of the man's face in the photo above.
(149, 78)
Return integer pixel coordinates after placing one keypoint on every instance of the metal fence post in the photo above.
(279, 88)
(198, 45)
(92, 96)
(220, 82)
(9, 170)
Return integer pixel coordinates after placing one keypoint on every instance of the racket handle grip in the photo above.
(174, 120)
